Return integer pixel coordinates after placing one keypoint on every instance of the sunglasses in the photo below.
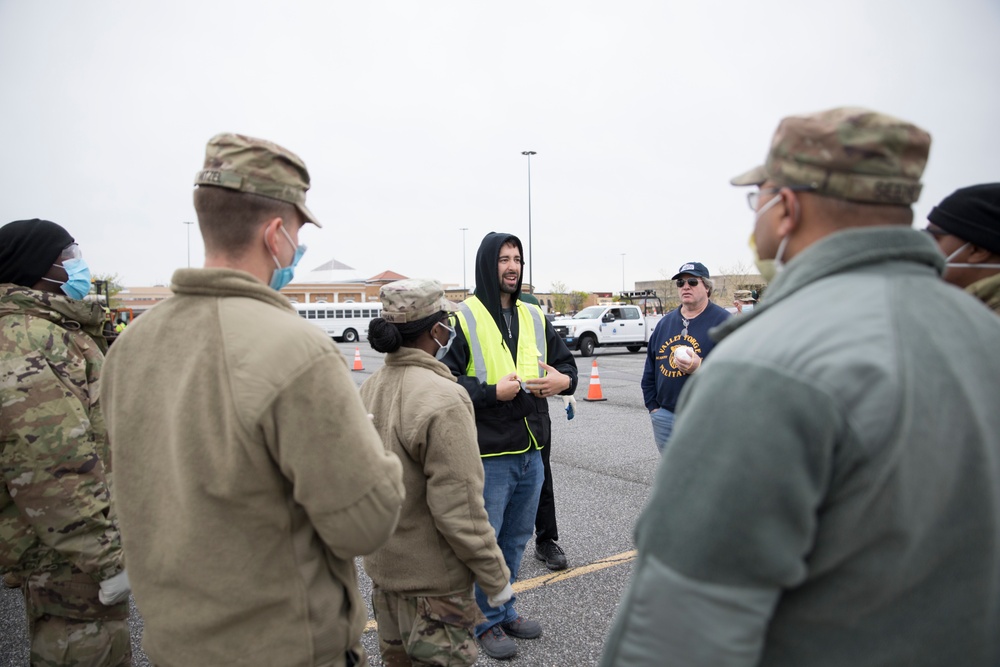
(693, 282)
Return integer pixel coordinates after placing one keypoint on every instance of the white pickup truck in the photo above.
(618, 324)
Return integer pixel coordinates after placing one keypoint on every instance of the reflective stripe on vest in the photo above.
(490, 359)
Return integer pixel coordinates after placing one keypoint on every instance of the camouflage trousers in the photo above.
(68, 624)
(426, 630)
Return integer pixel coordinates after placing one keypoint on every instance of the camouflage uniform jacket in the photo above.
(55, 502)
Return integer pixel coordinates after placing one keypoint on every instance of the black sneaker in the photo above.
(496, 644)
(552, 554)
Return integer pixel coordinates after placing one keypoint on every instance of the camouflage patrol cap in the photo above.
(256, 166)
(413, 299)
(847, 153)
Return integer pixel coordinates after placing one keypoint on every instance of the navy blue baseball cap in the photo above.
(693, 269)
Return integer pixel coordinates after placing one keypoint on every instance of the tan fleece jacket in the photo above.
(247, 477)
(444, 538)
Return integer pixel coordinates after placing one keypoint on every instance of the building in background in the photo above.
(336, 282)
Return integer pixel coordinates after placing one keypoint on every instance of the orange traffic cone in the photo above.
(594, 393)
(357, 360)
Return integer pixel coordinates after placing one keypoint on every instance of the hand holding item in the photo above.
(686, 360)
(507, 387)
(500, 598)
(115, 590)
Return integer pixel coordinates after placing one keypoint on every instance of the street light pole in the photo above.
(623, 273)
(531, 265)
(189, 223)
(465, 285)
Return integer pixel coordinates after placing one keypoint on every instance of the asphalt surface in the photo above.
(603, 462)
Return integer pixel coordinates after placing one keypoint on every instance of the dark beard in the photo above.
(508, 290)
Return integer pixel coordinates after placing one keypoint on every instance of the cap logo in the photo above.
(209, 177)
(224, 179)
(687, 267)
(896, 193)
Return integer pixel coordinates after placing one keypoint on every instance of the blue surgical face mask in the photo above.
(443, 349)
(283, 275)
(77, 283)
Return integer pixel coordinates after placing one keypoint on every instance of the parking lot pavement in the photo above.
(603, 462)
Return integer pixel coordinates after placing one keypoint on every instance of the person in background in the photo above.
(743, 301)
(966, 226)
(422, 577)
(547, 548)
(678, 345)
(830, 493)
(249, 475)
(59, 538)
(510, 360)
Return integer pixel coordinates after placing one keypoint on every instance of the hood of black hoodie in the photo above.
(487, 279)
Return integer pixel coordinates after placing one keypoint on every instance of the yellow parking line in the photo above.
(555, 577)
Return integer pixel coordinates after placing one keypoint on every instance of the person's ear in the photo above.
(790, 214)
(980, 255)
(272, 229)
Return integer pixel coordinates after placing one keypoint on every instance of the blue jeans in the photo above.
(663, 426)
(513, 484)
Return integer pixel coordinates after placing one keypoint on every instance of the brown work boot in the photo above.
(11, 580)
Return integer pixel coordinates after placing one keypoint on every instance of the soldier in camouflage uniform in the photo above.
(422, 577)
(847, 513)
(59, 538)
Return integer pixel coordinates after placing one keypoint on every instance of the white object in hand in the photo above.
(115, 589)
(503, 596)
(683, 353)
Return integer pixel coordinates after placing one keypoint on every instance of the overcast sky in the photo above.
(412, 116)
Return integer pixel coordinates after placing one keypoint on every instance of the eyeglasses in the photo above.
(72, 251)
(693, 282)
(935, 232)
(753, 198)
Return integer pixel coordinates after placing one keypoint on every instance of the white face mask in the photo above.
(963, 265)
(443, 349)
(769, 267)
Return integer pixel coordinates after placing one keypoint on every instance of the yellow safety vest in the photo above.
(489, 357)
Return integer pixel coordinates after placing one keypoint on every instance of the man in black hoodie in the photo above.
(510, 361)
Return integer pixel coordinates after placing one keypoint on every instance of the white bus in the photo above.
(345, 322)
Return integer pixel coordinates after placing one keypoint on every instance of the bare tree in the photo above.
(577, 299)
(560, 299)
(667, 291)
(107, 285)
(739, 276)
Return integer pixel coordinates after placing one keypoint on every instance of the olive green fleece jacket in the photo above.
(248, 477)
(831, 493)
(444, 539)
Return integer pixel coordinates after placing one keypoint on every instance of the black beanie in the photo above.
(972, 214)
(28, 248)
